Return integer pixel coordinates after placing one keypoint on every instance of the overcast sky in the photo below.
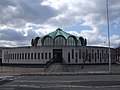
(22, 20)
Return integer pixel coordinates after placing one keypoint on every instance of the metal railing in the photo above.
(48, 63)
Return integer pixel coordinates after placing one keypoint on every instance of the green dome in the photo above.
(59, 38)
(59, 32)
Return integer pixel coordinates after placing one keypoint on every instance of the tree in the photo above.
(32, 42)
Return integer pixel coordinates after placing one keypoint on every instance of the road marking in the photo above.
(50, 81)
(61, 86)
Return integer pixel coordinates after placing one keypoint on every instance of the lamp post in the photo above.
(107, 1)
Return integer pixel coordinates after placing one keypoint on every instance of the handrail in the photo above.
(48, 63)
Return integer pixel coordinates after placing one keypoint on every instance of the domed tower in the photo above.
(59, 38)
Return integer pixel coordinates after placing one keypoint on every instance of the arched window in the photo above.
(48, 41)
(71, 41)
(82, 41)
(59, 40)
(39, 42)
(79, 42)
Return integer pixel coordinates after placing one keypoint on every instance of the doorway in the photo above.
(57, 55)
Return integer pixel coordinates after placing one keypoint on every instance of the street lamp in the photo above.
(107, 1)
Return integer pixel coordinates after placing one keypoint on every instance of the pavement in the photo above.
(65, 82)
(59, 77)
(59, 70)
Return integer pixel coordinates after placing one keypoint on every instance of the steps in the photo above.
(55, 67)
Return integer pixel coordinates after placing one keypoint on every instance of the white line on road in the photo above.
(50, 81)
(61, 86)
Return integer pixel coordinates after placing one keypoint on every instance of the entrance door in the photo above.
(57, 55)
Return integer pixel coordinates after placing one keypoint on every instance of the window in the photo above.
(72, 53)
(31, 55)
(48, 41)
(11, 56)
(38, 55)
(92, 54)
(83, 55)
(15, 55)
(76, 57)
(95, 57)
(49, 55)
(68, 57)
(28, 55)
(34, 55)
(22, 55)
(45, 55)
(102, 54)
(71, 41)
(42, 56)
(98, 53)
(79, 42)
(79, 53)
(59, 40)
(25, 55)
(100, 57)
(105, 55)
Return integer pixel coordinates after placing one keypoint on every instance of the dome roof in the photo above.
(59, 32)
(59, 37)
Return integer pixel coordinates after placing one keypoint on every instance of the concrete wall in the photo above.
(7, 55)
(89, 53)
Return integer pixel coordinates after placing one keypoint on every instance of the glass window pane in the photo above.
(71, 41)
(59, 40)
(48, 41)
(38, 55)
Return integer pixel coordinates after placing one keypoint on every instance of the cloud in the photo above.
(11, 35)
(22, 37)
(16, 13)
(22, 20)
(115, 39)
(95, 39)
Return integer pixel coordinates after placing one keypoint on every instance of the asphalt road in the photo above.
(70, 82)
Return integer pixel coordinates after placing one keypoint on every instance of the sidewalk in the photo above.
(72, 70)
(87, 70)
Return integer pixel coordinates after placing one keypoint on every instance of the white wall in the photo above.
(6, 54)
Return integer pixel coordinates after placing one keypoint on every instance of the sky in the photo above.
(22, 20)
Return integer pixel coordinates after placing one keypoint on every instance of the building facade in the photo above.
(118, 54)
(58, 46)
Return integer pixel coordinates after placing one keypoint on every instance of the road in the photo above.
(64, 82)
